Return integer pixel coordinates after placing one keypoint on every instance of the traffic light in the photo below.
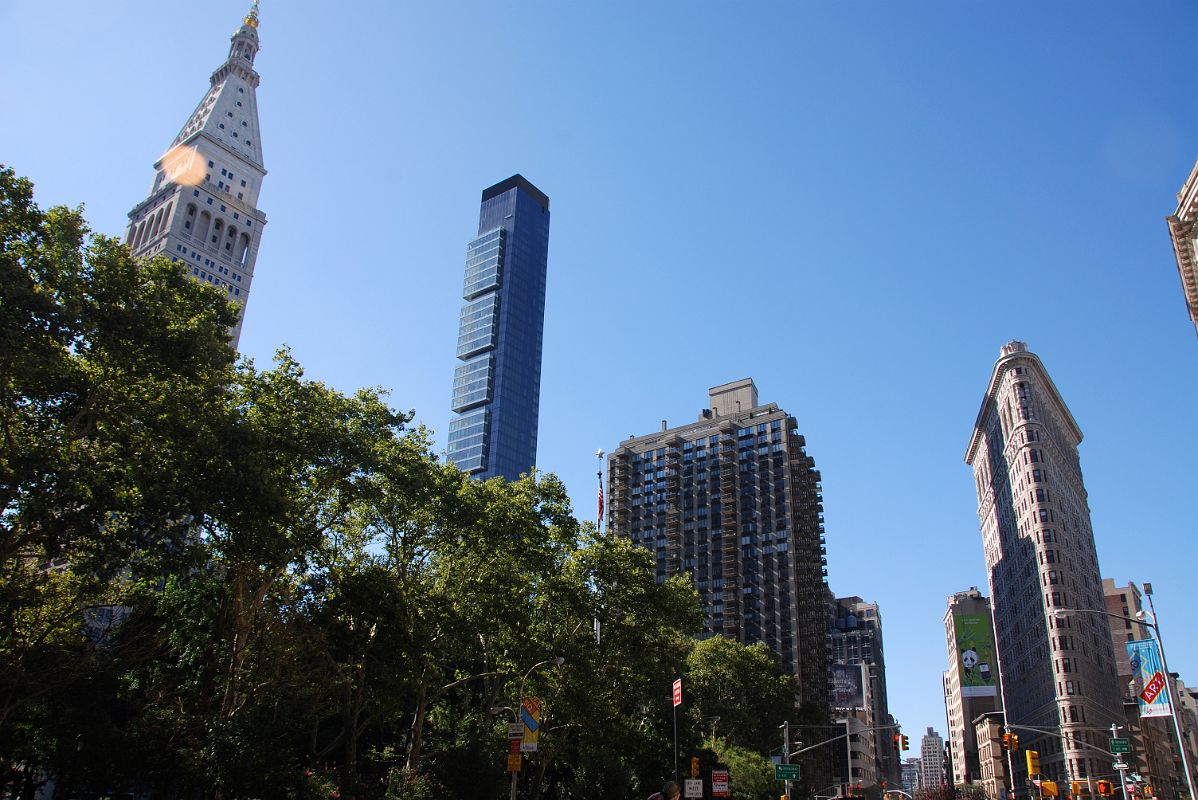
(906, 744)
(1014, 743)
(1148, 790)
(1033, 761)
(1006, 742)
(695, 767)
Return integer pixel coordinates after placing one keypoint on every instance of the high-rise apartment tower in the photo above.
(1057, 667)
(497, 385)
(856, 638)
(734, 501)
(202, 209)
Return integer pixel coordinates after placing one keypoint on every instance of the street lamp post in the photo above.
(1156, 630)
(557, 662)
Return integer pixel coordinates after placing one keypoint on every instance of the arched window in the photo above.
(231, 239)
(141, 235)
(157, 223)
(216, 228)
(243, 249)
(189, 222)
(202, 228)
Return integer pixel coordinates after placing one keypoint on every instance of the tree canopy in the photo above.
(220, 580)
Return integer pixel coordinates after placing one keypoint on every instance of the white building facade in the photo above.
(202, 209)
(931, 760)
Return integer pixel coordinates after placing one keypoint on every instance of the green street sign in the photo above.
(1120, 745)
(786, 772)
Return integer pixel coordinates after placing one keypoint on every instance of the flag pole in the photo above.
(599, 475)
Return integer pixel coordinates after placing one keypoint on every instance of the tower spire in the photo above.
(203, 206)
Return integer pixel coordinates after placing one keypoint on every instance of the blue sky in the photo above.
(854, 203)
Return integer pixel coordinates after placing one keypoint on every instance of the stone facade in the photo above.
(1057, 668)
(1183, 231)
(970, 682)
(857, 639)
(202, 209)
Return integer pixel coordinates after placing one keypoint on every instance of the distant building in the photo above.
(856, 637)
(971, 680)
(992, 759)
(910, 779)
(931, 760)
(1183, 231)
(1153, 740)
(202, 210)
(1057, 668)
(497, 386)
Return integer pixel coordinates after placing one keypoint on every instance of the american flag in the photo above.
(600, 518)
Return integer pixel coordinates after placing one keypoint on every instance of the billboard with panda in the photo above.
(976, 663)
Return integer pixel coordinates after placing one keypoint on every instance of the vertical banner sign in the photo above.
(976, 663)
(677, 692)
(848, 687)
(1149, 677)
(530, 712)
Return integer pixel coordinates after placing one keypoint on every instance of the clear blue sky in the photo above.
(854, 203)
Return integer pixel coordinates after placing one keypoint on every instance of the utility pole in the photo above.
(1119, 765)
(786, 751)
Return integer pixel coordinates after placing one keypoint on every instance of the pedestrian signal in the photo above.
(1033, 761)
(1105, 788)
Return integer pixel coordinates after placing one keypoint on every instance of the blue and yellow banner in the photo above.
(1151, 682)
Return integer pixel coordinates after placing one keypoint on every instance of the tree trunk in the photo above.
(417, 738)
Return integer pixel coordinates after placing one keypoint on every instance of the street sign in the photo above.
(515, 730)
(786, 772)
(719, 783)
(514, 761)
(1120, 745)
(693, 787)
(677, 692)
(1119, 766)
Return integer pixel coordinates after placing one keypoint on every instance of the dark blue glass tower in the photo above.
(497, 385)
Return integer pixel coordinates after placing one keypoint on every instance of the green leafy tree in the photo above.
(746, 687)
(750, 774)
(110, 396)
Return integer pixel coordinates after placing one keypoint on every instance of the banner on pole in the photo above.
(1148, 674)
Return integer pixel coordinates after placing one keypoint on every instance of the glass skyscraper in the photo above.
(497, 385)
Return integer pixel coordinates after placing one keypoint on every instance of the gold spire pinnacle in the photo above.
(251, 19)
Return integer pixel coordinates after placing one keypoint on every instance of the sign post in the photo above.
(677, 702)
